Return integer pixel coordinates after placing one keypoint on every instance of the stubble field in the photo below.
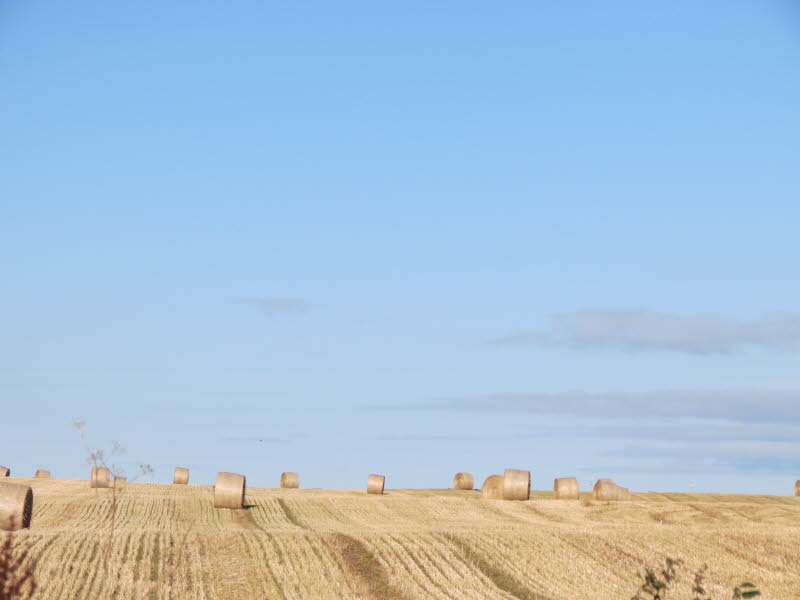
(166, 541)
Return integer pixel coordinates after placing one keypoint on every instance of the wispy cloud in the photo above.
(678, 431)
(278, 306)
(635, 330)
(764, 457)
(445, 437)
(696, 465)
(736, 404)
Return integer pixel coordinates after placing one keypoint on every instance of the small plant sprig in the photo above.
(700, 592)
(656, 584)
(655, 588)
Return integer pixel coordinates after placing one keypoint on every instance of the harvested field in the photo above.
(169, 542)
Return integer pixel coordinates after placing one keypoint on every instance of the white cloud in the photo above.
(635, 330)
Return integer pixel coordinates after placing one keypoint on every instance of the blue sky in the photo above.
(343, 238)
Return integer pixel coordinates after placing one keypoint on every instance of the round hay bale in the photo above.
(101, 478)
(492, 488)
(463, 481)
(16, 506)
(42, 474)
(797, 488)
(229, 490)
(120, 481)
(5, 472)
(566, 488)
(516, 484)
(290, 480)
(181, 476)
(375, 484)
(606, 490)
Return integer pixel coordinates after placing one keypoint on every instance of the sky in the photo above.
(411, 239)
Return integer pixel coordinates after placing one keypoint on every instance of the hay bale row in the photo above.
(375, 484)
(606, 490)
(181, 476)
(290, 480)
(101, 478)
(515, 484)
(463, 481)
(16, 506)
(5, 472)
(566, 488)
(229, 490)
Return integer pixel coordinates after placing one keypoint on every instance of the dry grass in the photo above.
(364, 567)
(407, 544)
(17, 577)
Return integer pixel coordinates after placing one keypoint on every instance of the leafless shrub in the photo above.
(97, 457)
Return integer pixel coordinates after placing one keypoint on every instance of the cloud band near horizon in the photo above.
(636, 330)
(761, 405)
